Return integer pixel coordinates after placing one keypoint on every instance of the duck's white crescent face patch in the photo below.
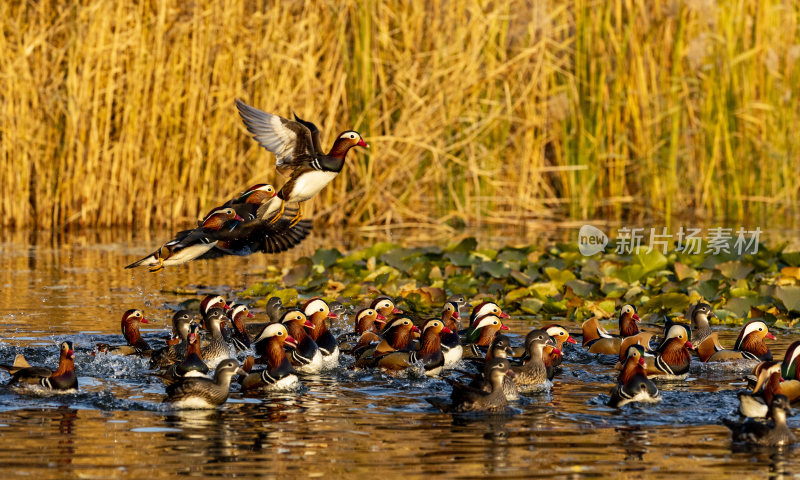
(676, 331)
(316, 306)
(271, 331)
(490, 320)
(487, 309)
(754, 326)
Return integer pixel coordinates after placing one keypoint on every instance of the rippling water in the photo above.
(342, 423)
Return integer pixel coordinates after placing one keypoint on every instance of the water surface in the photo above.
(341, 423)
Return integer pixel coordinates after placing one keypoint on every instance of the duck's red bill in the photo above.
(503, 327)
(571, 340)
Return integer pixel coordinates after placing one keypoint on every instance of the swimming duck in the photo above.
(479, 311)
(462, 305)
(136, 345)
(772, 378)
(749, 345)
(386, 307)
(429, 353)
(217, 349)
(63, 378)
(533, 372)
(174, 352)
(500, 348)
(481, 335)
(192, 365)
(672, 358)
(239, 336)
(465, 398)
(701, 329)
(197, 392)
(318, 312)
(397, 336)
(560, 336)
(451, 342)
(305, 356)
(632, 382)
(598, 340)
(278, 374)
(367, 327)
(207, 303)
(772, 433)
(295, 145)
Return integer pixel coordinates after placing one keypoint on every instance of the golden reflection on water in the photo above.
(342, 424)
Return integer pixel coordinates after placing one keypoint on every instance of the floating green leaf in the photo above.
(326, 256)
(789, 295)
(669, 302)
(735, 269)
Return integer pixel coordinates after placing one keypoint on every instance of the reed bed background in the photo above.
(478, 112)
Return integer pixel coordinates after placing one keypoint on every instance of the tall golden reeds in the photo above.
(121, 113)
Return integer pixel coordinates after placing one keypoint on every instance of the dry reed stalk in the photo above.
(121, 113)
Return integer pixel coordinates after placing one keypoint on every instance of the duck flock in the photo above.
(200, 362)
(220, 347)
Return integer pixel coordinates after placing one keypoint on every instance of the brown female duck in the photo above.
(773, 433)
(197, 392)
(533, 372)
(465, 398)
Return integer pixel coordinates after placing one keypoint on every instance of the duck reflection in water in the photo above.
(634, 442)
(66, 436)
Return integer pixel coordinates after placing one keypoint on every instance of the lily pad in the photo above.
(531, 305)
(559, 276)
(464, 246)
(581, 288)
(683, 271)
(326, 256)
(669, 302)
(736, 269)
(495, 269)
(789, 295)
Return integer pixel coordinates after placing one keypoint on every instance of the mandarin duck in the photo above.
(367, 327)
(465, 398)
(598, 340)
(632, 382)
(218, 348)
(533, 375)
(278, 373)
(479, 311)
(560, 336)
(397, 336)
(174, 352)
(191, 244)
(701, 329)
(773, 378)
(239, 336)
(305, 355)
(63, 378)
(749, 345)
(451, 342)
(135, 344)
(429, 353)
(192, 364)
(198, 393)
(386, 307)
(481, 335)
(318, 312)
(772, 433)
(672, 358)
(297, 154)
(500, 348)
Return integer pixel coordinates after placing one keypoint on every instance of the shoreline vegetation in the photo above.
(479, 113)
